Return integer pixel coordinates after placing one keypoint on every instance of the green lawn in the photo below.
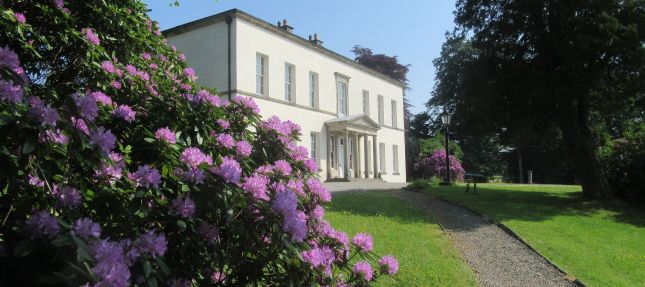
(425, 253)
(602, 244)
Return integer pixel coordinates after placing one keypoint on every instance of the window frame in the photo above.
(345, 108)
(263, 88)
(395, 159)
(382, 161)
(394, 113)
(315, 147)
(366, 102)
(314, 89)
(289, 82)
(381, 111)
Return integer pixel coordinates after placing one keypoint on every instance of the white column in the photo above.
(346, 155)
(367, 156)
(374, 151)
(328, 155)
(357, 156)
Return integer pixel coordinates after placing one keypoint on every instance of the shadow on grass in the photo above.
(527, 203)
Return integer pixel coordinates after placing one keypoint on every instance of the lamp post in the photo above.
(445, 119)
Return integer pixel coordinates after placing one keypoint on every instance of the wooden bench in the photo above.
(472, 177)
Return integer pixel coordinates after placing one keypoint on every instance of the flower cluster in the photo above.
(435, 165)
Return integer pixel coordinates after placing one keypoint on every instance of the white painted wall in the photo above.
(206, 52)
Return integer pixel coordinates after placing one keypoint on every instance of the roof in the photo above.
(274, 29)
(357, 120)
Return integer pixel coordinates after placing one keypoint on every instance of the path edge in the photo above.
(508, 231)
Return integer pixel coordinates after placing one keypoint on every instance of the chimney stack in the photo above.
(285, 26)
(315, 41)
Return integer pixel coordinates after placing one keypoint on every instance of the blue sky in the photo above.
(413, 30)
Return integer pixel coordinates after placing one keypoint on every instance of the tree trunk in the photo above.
(520, 169)
(578, 141)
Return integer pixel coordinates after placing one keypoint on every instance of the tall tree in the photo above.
(521, 68)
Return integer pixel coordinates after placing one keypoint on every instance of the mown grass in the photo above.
(602, 244)
(424, 251)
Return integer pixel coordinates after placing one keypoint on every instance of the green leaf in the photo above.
(162, 265)
(83, 250)
(23, 248)
(147, 268)
(62, 240)
(149, 140)
(28, 147)
(181, 224)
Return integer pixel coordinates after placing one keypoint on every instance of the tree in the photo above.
(519, 69)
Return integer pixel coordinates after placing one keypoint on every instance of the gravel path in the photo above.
(497, 258)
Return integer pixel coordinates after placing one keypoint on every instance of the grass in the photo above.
(602, 244)
(424, 251)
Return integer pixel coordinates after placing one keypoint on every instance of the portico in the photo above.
(349, 152)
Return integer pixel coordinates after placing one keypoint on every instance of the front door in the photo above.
(341, 157)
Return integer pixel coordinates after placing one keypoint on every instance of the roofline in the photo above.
(272, 28)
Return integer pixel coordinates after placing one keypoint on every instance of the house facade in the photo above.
(351, 116)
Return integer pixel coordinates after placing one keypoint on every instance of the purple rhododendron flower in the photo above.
(103, 138)
(225, 140)
(311, 165)
(243, 148)
(9, 59)
(294, 220)
(218, 277)
(363, 241)
(91, 36)
(111, 169)
(247, 102)
(111, 266)
(108, 67)
(224, 124)
(320, 257)
(101, 97)
(299, 153)
(68, 197)
(318, 212)
(166, 135)
(56, 136)
(45, 114)
(435, 165)
(86, 228)
(193, 157)
(116, 84)
(183, 206)
(364, 270)
(20, 17)
(10, 92)
(190, 73)
(256, 185)
(86, 106)
(282, 167)
(229, 170)
(125, 112)
(209, 231)
(146, 176)
(42, 225)
(80, 125)
(35, 181)
(152, 244)
(318, 190)
(132, 70)
(389, 265)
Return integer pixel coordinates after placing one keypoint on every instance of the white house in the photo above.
(351, 116)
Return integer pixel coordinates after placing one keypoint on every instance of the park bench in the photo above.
(472, 177)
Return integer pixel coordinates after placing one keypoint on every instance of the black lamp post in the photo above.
(445, 119)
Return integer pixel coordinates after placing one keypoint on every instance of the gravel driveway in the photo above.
(497, 258)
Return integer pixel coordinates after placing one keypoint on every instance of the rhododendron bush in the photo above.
(116, 169)
(435, 165)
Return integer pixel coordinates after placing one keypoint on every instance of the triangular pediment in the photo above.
(364, 120)
(357, 122)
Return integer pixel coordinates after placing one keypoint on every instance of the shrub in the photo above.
(435, 166)
(624, 162)
(116, 169)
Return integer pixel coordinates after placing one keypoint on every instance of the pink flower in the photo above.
(363, 241)
(125, 112)
(389, 264)
(225, 140)
(247, 102)
(190, 73)
(243, 148)
(311, 165)
(256, 185)
(116, 84)
(101, 97)
(146, 176)
(193, 157)
(224, 124)
(80, 125)
(108, 67)
(146, 56)
(103, 138)
(229, 170)
(318, 190)
(282, 167)
(364, 270)
(91, 37)
(166, 135)
(86, 106)
(20, 18)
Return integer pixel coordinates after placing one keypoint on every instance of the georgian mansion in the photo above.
(351, 116)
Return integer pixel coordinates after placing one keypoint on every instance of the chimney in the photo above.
(315, 41)
(285, 26)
